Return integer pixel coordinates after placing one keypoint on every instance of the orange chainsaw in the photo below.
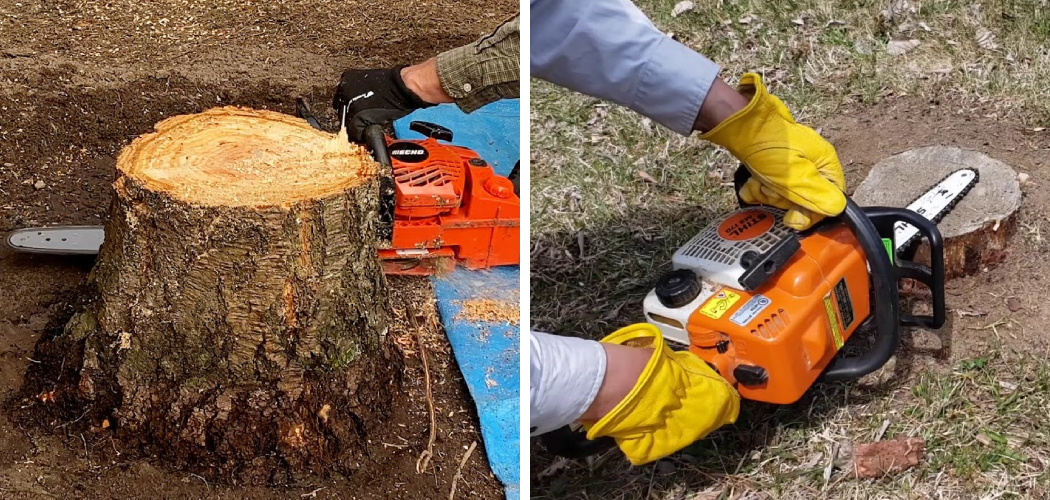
(770, 308)
(440, 205)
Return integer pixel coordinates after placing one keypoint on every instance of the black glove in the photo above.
(373, 96)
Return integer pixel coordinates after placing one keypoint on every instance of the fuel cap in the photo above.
(677, 288)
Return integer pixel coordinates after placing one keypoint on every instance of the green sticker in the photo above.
(888, 243)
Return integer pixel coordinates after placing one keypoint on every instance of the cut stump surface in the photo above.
(239, 315)
(976, 232)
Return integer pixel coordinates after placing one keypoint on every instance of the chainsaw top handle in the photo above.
(375, 140)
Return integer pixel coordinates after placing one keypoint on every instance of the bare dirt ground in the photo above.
(864, 136)
(78, 81)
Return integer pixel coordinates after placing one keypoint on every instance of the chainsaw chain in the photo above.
(947, 209)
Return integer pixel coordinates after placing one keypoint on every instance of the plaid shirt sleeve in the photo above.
(484, 71)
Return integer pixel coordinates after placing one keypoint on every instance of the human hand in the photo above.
(792, 166)
(380, 96)
(676, 399)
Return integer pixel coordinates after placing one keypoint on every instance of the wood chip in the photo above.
(984, 439)
(900, 47)
(887, 457)
(681, 8)
(17, 52)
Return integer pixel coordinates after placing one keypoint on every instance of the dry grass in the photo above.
(614, 195)
(983, 419)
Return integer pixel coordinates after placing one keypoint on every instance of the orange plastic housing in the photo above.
(796, 335)
(453, 204)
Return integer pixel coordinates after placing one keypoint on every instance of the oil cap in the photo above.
(677, 288)
(500, 187)
(750, 375)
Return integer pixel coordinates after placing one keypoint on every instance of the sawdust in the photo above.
(493, 311)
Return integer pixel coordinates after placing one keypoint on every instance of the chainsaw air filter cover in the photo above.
(742, 250)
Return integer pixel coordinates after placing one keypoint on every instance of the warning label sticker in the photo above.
(750, 309)
(836, 333)
(717, 306)
(845, 303)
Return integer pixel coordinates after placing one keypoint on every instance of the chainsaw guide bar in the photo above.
(935, 204)
(62, 240)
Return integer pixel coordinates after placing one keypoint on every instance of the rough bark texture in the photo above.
(252, 337)
(978, 229)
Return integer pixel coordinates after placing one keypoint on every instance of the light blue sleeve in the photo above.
(609, 49)
(565, 374)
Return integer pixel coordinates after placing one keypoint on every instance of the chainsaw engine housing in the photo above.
(448, 204)
(766, 307)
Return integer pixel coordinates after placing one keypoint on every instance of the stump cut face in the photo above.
(243, 157)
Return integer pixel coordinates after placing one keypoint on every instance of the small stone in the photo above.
(1014, 304)
(40, 184)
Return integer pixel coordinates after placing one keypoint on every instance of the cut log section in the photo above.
(977, 231)
(241, 310)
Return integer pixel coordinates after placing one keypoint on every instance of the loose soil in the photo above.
(78, 81)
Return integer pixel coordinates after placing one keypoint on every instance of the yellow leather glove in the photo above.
(678, 400)
(792, 166)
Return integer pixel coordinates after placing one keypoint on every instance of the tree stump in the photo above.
(977, 231)
(240, 313)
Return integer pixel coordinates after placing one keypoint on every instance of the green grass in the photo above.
(613, 195)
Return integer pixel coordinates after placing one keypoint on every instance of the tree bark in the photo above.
(241, 310)
(977, 231)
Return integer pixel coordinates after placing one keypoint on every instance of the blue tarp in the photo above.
(488, 354)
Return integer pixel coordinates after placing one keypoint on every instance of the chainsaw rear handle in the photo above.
(567, 443)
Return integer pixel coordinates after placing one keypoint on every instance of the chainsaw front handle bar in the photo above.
(885, 307)
(868, 224)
